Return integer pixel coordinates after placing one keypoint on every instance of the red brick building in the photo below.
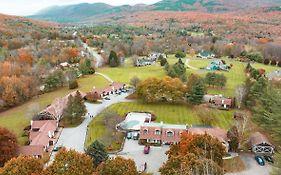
(161, 133)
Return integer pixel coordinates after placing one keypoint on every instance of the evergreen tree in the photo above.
(113, 59)
(163, 61)
(197, 92)
(97, 151)
(86, 67)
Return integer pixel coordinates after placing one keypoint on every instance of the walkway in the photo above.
(188, 65)
(105, 76)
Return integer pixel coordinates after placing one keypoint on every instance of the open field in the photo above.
(19, 117)
(168, 113)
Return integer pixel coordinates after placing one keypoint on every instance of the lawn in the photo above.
(19, 117)
(168, 113)
(235, 76)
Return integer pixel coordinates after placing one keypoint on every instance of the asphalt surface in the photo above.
(74, 138)
(154, 160)
(252, 167)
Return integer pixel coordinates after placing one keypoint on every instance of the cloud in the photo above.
(29, 7)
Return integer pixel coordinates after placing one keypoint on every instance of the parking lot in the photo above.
(252, 167)
(154, 159)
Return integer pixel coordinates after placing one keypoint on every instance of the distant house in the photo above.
(217, 133)
(161, 133)
(206, 54)
(275, 75)
(222, 102)
(113, 88)
(42, 133)
(217, 65)
(260, 145)
(36, 151)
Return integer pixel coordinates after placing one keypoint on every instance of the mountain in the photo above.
(85, 11)
(79, 12)
(212, 5)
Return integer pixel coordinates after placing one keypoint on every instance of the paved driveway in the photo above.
(252, 167)
(154, 159)
(74, 138)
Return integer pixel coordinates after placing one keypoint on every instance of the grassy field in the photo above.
(19, 117)
(168, 113)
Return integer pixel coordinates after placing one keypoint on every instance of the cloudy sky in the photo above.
(29, 7)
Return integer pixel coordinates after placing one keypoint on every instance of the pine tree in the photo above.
(97, 151)
(113, 59)
(197, 92)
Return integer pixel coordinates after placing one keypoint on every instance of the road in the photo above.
(74, 138)
(93, 52)
(252, 167)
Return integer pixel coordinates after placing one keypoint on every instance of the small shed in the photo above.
(260, 144)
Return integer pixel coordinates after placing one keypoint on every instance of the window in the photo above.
(145, 131)
(157, 132)
(170, 133)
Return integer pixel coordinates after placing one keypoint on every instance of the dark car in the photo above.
(57, 148)
(269, 159)
(259, 160)
(146, 149)
(107, 98)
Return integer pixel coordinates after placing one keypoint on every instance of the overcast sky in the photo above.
(29, 7)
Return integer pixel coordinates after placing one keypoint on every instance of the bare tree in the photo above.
(240, 93)
(135, 81)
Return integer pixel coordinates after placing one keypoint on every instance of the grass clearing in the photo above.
(168, 113)
(16, 118)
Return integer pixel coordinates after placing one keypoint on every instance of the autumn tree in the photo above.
(117, 166)
(71, 55)
(25, 57)
(98, 153)
(166, 89)
(190, 164)
(234, 138)
(134, 81)
(70, 162)
(8, 145)
(23, 166)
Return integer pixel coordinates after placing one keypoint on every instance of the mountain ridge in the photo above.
(82, 11)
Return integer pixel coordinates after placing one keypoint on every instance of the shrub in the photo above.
(73, 84)
(266, 61)
(255, 56)
(273, 62)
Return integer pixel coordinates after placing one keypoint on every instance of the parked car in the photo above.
(269, 159)
(107, 98)
(136, 135)
(146, 149)
(260, 160)
(129, 135)
(57, 148)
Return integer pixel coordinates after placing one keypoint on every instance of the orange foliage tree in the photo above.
(70, 162)
(25, 57)
(23, 166)
(8, 145)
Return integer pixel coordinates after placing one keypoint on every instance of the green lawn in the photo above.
(168, 113)
(19, 117)
(267, 68)
(234, 77)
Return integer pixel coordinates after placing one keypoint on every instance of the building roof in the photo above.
(164, 125)
(218, 133)
(258, 138)
(206, 53)
(222, 101)
(30, 150)
(41, 137)
(109, 88)
(59, 104)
